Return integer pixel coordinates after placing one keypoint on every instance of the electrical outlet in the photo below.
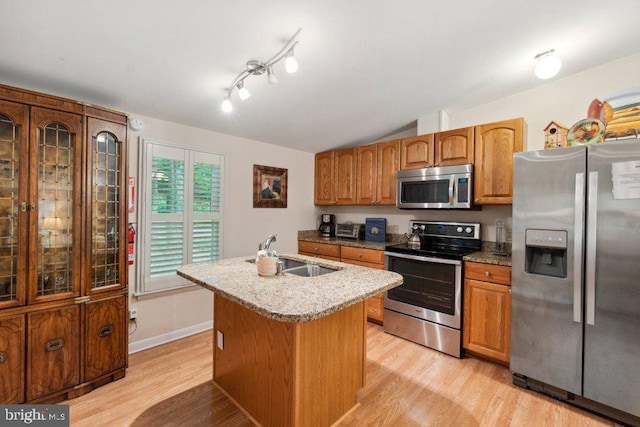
(133, 313)
(220, 340)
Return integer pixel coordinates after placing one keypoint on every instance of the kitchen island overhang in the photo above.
(290, 350)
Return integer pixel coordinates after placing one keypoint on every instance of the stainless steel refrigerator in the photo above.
(575, 325)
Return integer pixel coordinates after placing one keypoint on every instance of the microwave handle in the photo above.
(452, 181)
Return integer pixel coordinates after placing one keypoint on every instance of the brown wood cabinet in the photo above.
(345, 176)
(62, 242)
(368, 258)
(417, 152)
(12, 345)
(487, 310)
(377, 169)
(495, 144)
(335, 177)
(359, 256)
(105, 336)
(320, 250)
(324, 184)
(454, 147)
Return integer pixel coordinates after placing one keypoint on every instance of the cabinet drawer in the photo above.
(360, 254)
(488, 272)
(319, 248)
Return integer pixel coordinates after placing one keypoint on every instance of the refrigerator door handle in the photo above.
(590, 259)
(577, 248)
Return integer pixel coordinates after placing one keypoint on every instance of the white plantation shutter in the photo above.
(181, 213)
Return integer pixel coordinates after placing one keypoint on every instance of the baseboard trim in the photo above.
(144, 344)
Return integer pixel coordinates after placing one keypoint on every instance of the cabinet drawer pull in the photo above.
(105, 331)
(316, 248)
(486, 273)
(359, 255)
(54, 345)
(3, 356)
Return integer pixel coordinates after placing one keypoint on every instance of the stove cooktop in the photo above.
(450, 240)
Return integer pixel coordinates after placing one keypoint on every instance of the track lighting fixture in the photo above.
(256, 67)
(547, 64)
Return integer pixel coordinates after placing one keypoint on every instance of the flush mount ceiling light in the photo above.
(547, 64)
(257, 67)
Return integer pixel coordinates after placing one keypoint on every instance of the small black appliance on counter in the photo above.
(327, 225)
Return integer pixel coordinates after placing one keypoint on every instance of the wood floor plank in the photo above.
(407, 385)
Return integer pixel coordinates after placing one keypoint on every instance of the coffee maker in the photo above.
(327, 225)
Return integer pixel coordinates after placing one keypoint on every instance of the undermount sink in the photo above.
(309, 270)
(300, 268)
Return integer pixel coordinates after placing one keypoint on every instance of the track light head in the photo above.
(243, 92)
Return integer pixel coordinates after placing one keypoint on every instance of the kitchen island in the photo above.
(290, 350)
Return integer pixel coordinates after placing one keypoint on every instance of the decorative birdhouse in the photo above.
(555, 135)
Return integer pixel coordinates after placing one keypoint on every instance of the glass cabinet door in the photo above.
(14, 150)
(56, 170)
(108, 205)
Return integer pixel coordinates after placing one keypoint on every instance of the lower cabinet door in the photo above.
(53, 350)
(12, 360)
(105, 336)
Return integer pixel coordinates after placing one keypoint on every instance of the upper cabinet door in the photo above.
(14, 206)
(388, 166)
(55, 194)
(416, 152)
(108, 208)
(324, 189)
(367, 174)
(454, 147)
(345, 176)
(493, 174)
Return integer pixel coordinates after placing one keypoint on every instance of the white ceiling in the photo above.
(368, 68)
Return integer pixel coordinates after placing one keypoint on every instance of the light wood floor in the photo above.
(407, 385)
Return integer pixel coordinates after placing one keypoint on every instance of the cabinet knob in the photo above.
(359, 255)
(475, 200)
(435, 164)
(509, 290)
(3, 356)
(486, 273)
(316, 249)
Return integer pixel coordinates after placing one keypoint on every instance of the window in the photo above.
(180, 214)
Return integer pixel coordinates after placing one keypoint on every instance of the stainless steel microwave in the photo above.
(448, 187)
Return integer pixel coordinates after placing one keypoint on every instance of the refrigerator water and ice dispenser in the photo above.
(546, 252)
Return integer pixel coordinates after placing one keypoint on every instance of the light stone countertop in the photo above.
(290, 298)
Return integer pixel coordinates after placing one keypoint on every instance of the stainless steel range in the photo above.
(427, 307)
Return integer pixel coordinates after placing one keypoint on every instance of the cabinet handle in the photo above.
(435, 164)
(475, 200)
(32, 207)
(23, 206)
(54, 345)
(105, 331)
(3, 356)
(486, 273)
(509, 290)
(359, 255)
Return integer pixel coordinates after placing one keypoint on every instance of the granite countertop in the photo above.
(290, 298)
(313, 236)
(488, 257)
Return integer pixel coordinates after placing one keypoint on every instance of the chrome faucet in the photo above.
(267, 242)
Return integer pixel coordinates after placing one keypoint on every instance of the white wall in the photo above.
(564, 100)
(161, 315)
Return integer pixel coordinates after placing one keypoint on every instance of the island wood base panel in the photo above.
(290, 374)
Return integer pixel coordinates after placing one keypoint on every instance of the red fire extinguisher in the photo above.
(132, 241)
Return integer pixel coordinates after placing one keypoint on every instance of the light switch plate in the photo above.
(220, 340)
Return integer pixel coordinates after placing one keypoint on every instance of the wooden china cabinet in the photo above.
(63, 276)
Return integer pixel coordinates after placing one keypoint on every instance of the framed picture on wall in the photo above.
(269, 187)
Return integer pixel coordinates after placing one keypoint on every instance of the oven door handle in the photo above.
(424, 258)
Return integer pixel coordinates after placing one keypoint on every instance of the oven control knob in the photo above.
(468, 230)
(459, 229)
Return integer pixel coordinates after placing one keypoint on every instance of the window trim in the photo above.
(144, 213)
